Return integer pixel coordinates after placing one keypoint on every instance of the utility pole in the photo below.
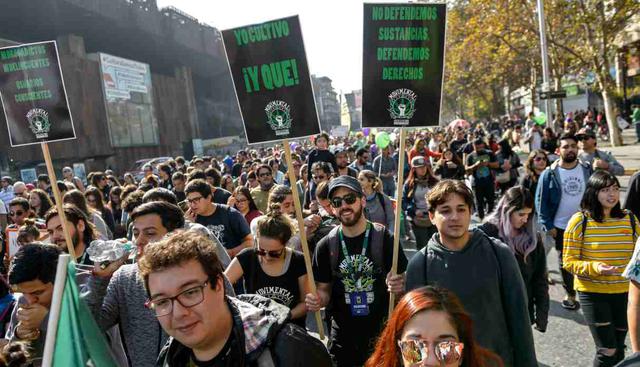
(546, 82)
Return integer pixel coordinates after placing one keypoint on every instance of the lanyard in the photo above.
(345, 252)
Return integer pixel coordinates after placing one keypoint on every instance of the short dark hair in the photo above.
(178, 176)
(180, 159)
(23, 202)
(323, 166)
(568, 136)
(160, 194)
(170, 214)
(322, 135)
(178, 248)
(215, 174)
(199, 186)
(263, 166)
(44, 178)
(361, 151)
(443, 189)
(164, 167)
(196, 174)
(132, 201)
(34, 261)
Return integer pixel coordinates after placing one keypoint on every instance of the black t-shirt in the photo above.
(180, 195)
(227, 224)
(236, 170)
(482, 174)
(353, 337)
(221, 196)
(283, 289)
(223, 359)
(456, 146)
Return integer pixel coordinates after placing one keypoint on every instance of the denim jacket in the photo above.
(549, 193)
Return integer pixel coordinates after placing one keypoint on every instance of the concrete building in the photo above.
(354, 103)
(190, 88)
(327, 102)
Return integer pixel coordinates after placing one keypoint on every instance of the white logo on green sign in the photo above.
(39, 122)
(402, 105)
(279, 117)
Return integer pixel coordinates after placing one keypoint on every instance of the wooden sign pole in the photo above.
(396, 226)
(58, 199)
(301, 230)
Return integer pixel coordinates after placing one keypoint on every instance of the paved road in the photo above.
(567, 342)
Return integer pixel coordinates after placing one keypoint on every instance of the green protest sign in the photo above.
(403, 64)
(269, 69)
(33, 95)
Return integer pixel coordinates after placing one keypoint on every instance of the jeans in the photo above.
(485, 195)
(638, 130)
(567, 278)
(606, 315)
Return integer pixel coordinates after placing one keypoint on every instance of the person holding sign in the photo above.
(352, 267)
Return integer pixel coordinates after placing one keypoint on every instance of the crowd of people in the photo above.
(217, 276)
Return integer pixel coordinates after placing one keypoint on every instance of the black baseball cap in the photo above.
(345, 181)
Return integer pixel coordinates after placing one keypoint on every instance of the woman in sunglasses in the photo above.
(533, 167)
(270, 268)
(416, 188)
(429, 327)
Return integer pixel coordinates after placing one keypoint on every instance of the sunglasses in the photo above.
(336, 201)
(538, 159)
(18, 213)
(275, 254)
(416, 351)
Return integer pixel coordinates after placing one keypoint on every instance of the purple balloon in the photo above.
(365, 131)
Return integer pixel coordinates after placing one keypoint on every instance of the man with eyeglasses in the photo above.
(227, 224)
(117, 295)
(20, 190)
(208, 327)
(260, 194)
(352, 268)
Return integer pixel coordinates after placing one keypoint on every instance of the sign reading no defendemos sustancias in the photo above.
(271, 78)
(403, 64)
(33, 94)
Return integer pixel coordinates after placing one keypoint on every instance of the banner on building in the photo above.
(403, 64)
(128, 96)
(269, 67)
(33, 95)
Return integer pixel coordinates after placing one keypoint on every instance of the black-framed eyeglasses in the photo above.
(336, 201)
(275, 254)
(16, 213)
(265, 174)
(416, 351)
(319, 177)
(187, 298)
(194, 200)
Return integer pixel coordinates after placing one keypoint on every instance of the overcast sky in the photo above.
(332, 29)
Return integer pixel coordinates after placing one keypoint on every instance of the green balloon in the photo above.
(383, 139)
(540, 118)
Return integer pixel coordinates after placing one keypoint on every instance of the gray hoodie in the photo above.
(486, 278)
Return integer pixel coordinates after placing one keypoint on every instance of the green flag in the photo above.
(79, 341)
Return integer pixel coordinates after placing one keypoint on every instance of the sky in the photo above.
(332, 29)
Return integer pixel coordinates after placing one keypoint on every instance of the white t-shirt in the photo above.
(3, 208)
(573, 187)
(536, 140)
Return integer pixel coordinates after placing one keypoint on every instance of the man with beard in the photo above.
(81, 230)
(362, 160)
(558, 196)
(350, 265)
(260, 194)
(481, 270)
(342, 161)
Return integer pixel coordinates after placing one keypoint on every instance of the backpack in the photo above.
(632, 220)
(377, 246)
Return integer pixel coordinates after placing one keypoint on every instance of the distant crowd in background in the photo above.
(217, 276)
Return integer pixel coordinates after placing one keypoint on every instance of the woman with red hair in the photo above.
(429, 327)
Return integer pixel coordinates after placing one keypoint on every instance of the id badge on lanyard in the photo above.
(358, 299)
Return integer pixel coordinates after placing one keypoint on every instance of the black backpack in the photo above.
(632, 220)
